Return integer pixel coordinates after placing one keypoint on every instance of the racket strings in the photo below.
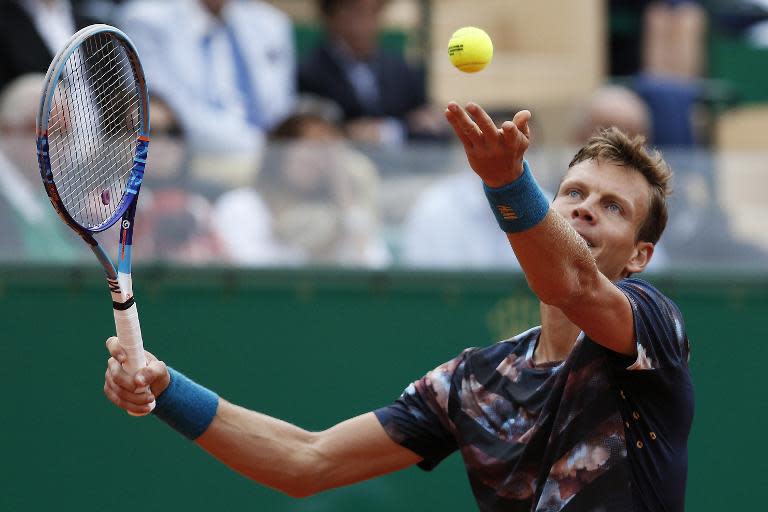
(96, 159)
(111, 151)
(106, 66)
(93, 127)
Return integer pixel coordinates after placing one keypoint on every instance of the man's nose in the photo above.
(584, 211)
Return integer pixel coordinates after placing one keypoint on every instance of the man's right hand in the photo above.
(124, 390)
(495, 154)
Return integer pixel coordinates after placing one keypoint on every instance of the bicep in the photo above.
(359, 449)
(605, 315)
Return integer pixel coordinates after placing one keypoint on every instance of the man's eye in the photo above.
(614, 208)
(574, 194)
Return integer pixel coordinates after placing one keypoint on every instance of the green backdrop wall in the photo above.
(315, 347)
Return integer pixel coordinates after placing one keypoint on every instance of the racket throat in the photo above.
(120, 283)
(121, 288)
(125, 283)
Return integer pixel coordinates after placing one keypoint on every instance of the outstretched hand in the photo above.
(128, 391)
(495, 154)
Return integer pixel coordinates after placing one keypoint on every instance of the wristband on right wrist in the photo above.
(520, 205)
(186, 406)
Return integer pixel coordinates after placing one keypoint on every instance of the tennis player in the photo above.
(589, 411)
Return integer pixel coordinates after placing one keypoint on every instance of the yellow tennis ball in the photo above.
(470, 49)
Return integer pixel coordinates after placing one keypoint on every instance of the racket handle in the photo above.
(129, 337)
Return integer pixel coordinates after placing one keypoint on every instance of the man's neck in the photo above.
(558, 335)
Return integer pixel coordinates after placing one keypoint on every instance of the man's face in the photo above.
(606, 204)
(356, 22)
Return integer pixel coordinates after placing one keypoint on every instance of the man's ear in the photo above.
(640, 259)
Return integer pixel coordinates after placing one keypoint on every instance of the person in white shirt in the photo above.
(225, 67)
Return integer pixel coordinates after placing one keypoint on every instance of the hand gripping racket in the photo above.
(92, 144)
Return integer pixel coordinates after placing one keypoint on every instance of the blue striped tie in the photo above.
(253, 110)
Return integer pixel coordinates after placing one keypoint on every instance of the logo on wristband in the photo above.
(506, 212)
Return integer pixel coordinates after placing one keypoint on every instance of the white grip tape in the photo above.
(129, 337)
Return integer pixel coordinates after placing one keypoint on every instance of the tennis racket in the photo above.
(92, 145)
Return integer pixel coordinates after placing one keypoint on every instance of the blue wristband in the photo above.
(186, 406)
(519, 205)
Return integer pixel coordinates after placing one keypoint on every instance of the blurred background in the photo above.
(310, 238)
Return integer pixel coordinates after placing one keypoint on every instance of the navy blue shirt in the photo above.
(598, 431)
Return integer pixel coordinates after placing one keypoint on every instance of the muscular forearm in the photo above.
(300, 463)
(557, 263)
(267, 450)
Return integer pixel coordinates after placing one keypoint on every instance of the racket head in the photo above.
(93, 129)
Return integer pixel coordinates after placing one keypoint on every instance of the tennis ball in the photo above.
(470, 49)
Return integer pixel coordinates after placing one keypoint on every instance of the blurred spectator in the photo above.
(747, 18)
(243, 223)
(175, 225)
(19, 102)
(700, 232)
(758, 33)
(99, 9)
(226, 68)
(452, 227)
(661, 45)
(32, 31)
(674, 34)
(319, 200)
(612, 105)
(26, 210)
(382, 97)
(637, 23)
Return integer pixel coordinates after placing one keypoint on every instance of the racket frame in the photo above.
(118, 278)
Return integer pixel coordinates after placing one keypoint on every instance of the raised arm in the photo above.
(270, 451)
(557, 263)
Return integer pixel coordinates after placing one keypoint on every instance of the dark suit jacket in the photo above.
(22, 50)
(402, 89)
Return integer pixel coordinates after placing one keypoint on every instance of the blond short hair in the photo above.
(612, 145)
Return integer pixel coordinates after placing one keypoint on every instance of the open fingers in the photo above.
(451, 117)
(510, 133)
(463, 125)
(521, 121)
(485, 123)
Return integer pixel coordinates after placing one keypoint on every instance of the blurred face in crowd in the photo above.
(607, 204)
(614, 106)
(214, 6)
(313, 155)
(19, 103)
(356, 24)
